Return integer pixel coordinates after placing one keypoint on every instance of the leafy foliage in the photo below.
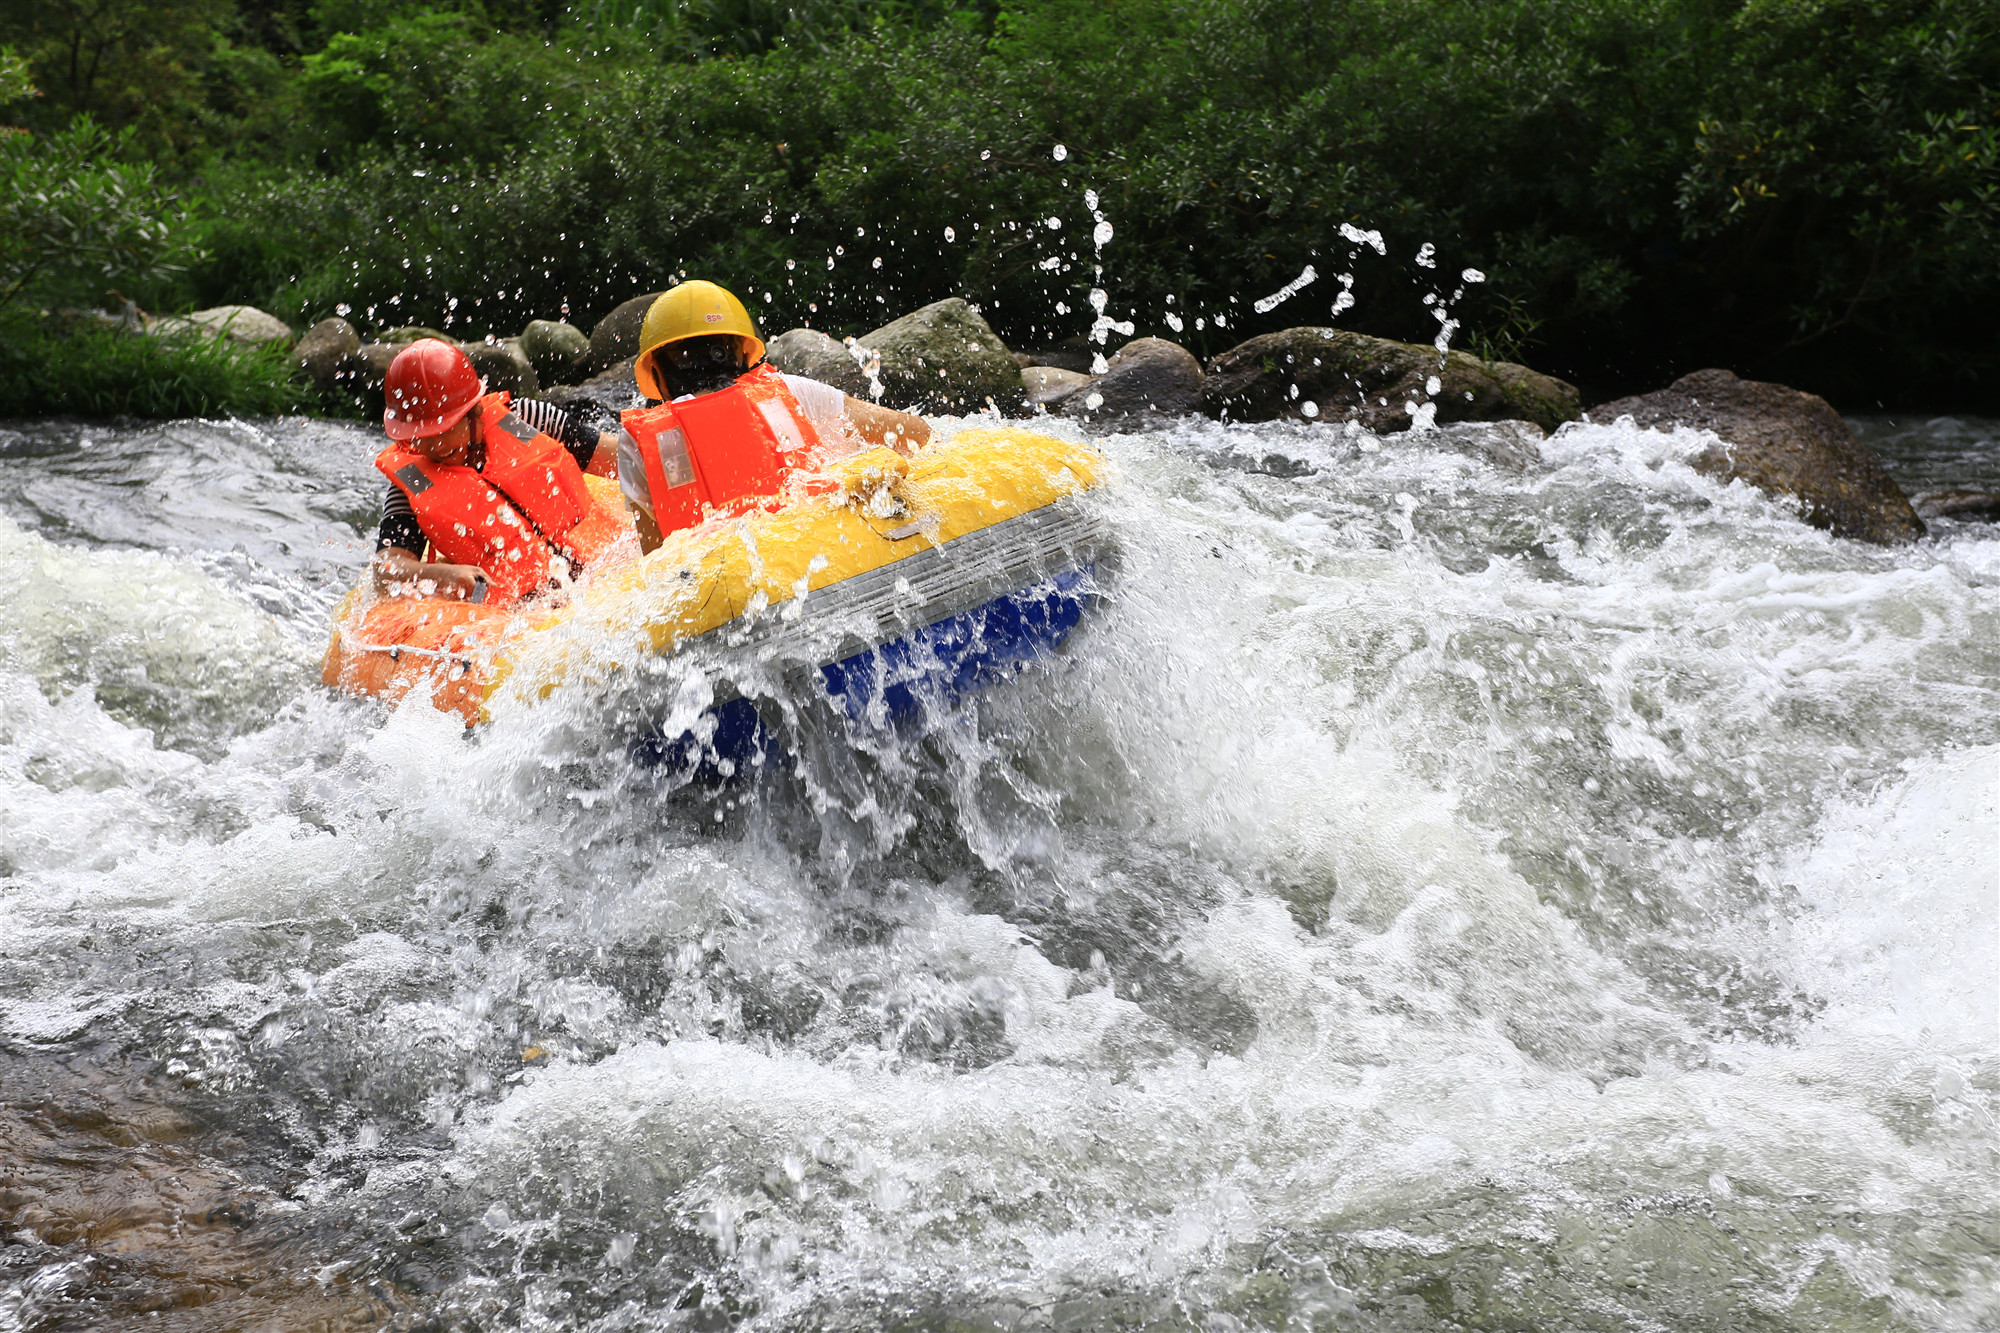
(1798, 189)
(71, 210)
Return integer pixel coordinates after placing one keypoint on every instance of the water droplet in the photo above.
(1061, 152)
(950, 234)
(1055, 224)
(1101, 234)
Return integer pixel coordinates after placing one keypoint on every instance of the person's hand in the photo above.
(441, 580)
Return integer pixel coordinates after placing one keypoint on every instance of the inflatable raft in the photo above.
(895, 579)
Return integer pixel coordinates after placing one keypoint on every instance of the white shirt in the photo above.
(824, 406)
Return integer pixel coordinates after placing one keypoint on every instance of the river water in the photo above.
(1432, 892)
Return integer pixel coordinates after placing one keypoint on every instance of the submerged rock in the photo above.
(1147, 375)
(945, 358)
(616, 336)
(1784, 442)
(560, 353)
(1324, 374)
(1511, 444)
(323, 349)
(503, 368)
(1048, 386)
(241, 323)
(1965, 506)
(816, 356)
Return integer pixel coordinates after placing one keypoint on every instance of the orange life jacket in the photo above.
(526, 504)
(723, 452)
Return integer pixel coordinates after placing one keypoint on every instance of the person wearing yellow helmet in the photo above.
(724, 430)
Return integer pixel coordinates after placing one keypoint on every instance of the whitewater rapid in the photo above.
(1436, 890)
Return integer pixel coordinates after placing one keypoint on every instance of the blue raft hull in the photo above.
(936, 665)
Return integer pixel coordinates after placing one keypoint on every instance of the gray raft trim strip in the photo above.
(835, 623)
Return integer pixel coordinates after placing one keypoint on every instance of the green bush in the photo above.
(1803, 190)
(73, 214)
(88, 370)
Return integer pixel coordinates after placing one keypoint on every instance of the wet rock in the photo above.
(240, 323)
(121, 1211)
(1784, 442)
(1048, 386)
(601, 397)
(1070, 354)
(325, 346)
(616, 336)
(944, 358)
(504, 368)
(1965, 506)
(367, 366)
(409, 333)
(1325, 374)
(560, 353)
(816, 356)
(1023, 360)
(1147, 375)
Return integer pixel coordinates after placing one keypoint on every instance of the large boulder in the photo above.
(1961, 505)
(1784, 442)
(363, 370)
(814, 355)
(560, 353)
(1328, 374)
(325, 346)
(1148, 375)
(239, 323)
(409, 333)
(616, 336)
(1075, 354)
(503, 368)
(603, 396)
(1048, 386)
(943, 358)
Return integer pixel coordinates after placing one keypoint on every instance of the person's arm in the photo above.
(401, 573)
(594, 451)
(604, 459)
(904, 432)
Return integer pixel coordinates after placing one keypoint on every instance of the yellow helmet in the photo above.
(692, 310)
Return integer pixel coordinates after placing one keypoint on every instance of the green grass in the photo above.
(104, 372)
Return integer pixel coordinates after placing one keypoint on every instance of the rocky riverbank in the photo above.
(944, 358)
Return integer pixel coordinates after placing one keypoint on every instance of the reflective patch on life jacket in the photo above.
(783, 424)
(517, 428)
(674, 460)
(413, 479)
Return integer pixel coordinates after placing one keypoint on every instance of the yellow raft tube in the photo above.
(900, 548)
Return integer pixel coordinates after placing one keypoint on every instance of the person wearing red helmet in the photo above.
(487, 499)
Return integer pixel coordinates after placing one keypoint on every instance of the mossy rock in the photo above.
(944, 358)
(1323, 374)
(1784, 442)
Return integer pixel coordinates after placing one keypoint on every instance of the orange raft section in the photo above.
(389, 646)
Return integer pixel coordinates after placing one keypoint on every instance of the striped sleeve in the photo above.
(559, 424)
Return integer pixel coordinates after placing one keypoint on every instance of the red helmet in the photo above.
(430, 385)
